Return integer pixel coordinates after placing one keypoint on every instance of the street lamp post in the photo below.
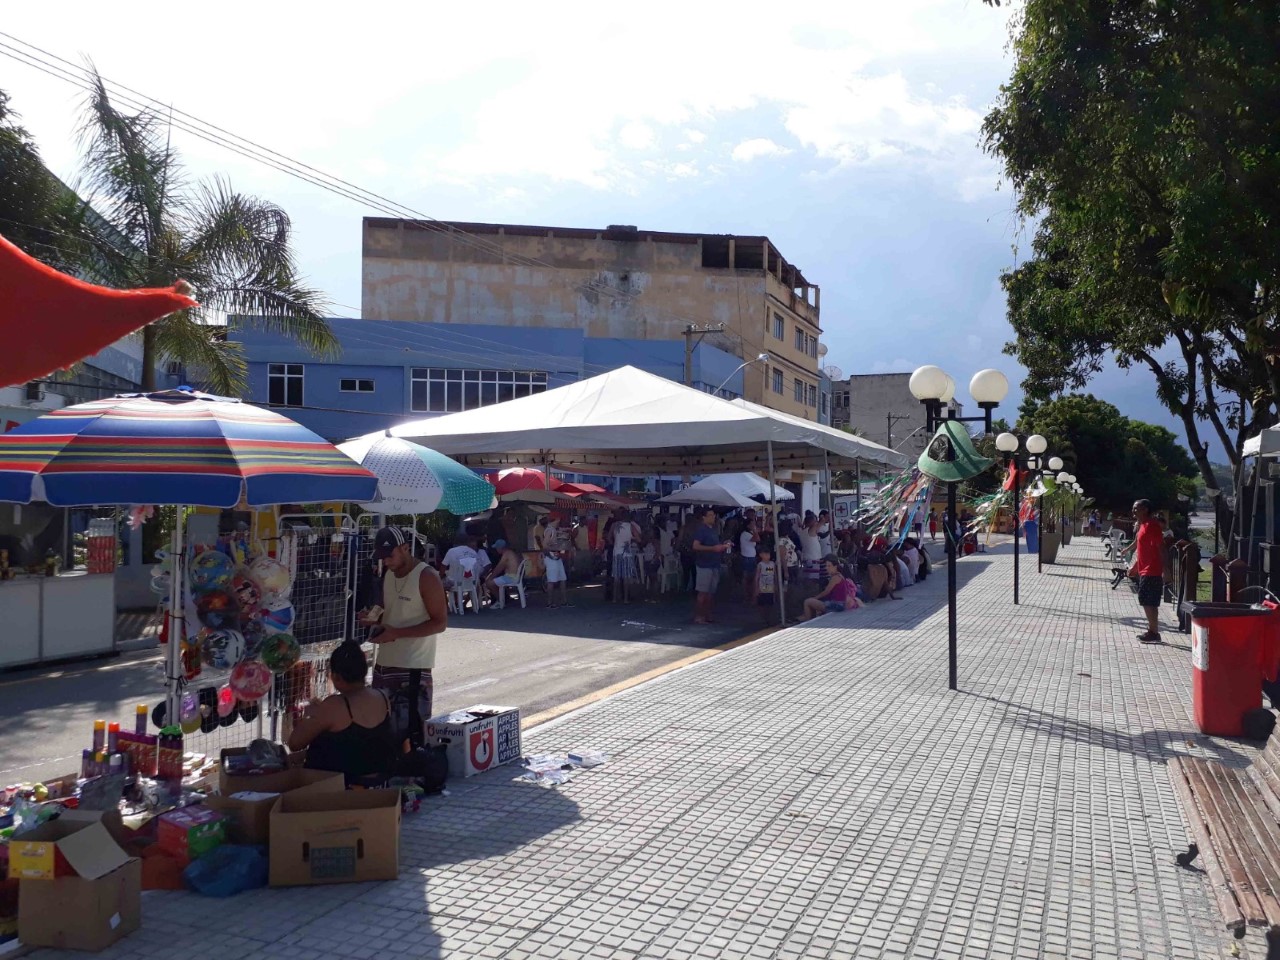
(935, 389)
(1007, 443)
(762, 358)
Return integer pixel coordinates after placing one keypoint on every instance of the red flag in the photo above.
(51, 321)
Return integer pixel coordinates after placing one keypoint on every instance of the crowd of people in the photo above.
(635, 554)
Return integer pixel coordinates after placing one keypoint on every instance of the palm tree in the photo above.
(233, 249)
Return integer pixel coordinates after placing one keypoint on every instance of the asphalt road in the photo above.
(533, 658)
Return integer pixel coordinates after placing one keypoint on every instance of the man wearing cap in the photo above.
(414, 611)
(504, 572)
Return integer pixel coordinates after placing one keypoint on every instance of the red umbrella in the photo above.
(52, 321)
(519, 478)
(575, 489)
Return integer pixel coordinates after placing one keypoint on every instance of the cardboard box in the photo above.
(276, 782)
(480, 738)
(190, 832)
(76, 913)
(89, 910)
(329, 837)
(249, 821)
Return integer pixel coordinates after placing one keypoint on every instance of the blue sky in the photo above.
(847, 132)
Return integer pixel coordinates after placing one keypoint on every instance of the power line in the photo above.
(63, 69)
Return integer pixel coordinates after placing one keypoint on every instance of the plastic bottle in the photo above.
(140, 718)
(99, 735)
(170, 759)
(116, 764)
(113, 738)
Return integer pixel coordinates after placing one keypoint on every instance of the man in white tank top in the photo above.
(414, 612)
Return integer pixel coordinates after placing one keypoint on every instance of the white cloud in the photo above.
(756, 148)
(636, 135)
(695, 136)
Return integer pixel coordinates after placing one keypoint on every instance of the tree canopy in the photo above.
(1143, 140)
(1115, 459)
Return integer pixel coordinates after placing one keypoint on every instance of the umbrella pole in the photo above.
(777, 538)
(177, 616)
(831, 517)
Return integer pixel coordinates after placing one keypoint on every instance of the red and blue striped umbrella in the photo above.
(174, 447)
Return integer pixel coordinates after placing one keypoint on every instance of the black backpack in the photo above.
(414, 762)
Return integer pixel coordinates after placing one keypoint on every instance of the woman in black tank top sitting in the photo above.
(349, 732)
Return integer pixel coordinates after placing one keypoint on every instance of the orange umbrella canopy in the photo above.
(51, 320)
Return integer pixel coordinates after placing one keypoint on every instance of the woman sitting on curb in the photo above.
(840, 593)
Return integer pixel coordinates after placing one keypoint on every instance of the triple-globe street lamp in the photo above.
(934, 388)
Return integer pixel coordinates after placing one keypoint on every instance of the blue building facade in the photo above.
(388, 372)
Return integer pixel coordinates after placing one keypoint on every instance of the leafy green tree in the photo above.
(1114, 458)
(38, 213)
(233, 249)
(1141, 138)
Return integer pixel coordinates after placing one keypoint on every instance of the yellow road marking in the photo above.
(597, 695)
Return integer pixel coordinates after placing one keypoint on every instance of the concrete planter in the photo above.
(1049, 548)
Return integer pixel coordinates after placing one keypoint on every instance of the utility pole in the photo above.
(890, 419)
(690, 332)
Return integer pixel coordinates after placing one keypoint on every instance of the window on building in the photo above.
(800, 339)
(437, 390)
(812, 400)
(284, 384)
(813, 347)
(353, 385)
(777, 381)
(799, 391)
(779, 328)
(825, 405)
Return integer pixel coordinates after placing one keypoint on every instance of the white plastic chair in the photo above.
(518, 587)
(669, 574)
(463, 587)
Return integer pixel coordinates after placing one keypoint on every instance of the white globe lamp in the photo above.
(1055, 463)
(928, 383)
(1006, 443)
(1037, 444)
(988, 386)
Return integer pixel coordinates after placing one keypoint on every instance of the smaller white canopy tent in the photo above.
(727, 490)
(1265, 444)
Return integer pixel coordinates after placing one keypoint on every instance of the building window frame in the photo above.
(778, 382)
(286, 384)
(779, 326)
(799, 392)
(801, 341)
(355, 385)
(452, 390)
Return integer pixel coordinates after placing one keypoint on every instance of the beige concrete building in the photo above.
(617, 282)
(880, 407)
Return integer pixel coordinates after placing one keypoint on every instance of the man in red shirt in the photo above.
(1148, 567)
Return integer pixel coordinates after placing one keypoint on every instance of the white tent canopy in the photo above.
(1265, 444)
(727, 490)
(632, 423)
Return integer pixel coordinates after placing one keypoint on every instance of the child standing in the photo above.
(765, 586)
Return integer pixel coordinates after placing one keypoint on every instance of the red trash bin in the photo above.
(1229, 644)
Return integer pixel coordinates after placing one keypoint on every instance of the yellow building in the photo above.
(617, 282)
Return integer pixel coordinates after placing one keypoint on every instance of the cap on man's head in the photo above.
(499, 544)
(387, 539)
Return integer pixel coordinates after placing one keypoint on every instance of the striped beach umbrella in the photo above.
(416, 479)
(174, 447)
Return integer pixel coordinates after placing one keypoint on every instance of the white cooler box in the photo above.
(480, 738)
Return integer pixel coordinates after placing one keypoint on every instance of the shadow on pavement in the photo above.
(1149, 744)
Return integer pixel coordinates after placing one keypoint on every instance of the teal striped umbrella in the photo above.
(415, 479)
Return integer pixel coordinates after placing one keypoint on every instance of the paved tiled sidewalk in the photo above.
(819, 793)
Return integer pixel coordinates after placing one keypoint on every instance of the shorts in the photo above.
(749, 566)
(1150, 591)
(833, 606)
(505, 580)
(555, 569)
(707, 580)
(765, 600)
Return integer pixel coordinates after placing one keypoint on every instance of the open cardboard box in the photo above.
(276, 782)
(331, 837)
(89, 910)
(249, 821)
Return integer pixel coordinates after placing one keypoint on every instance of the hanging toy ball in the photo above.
(226, 700)
(251, 627)
(221, 649)
(272, 578)
(280, 652)
(277, 617)
(248, 595)
(218, 610)
(250, 680)
(211, 570)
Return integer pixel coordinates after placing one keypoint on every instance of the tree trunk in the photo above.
(148, 359)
